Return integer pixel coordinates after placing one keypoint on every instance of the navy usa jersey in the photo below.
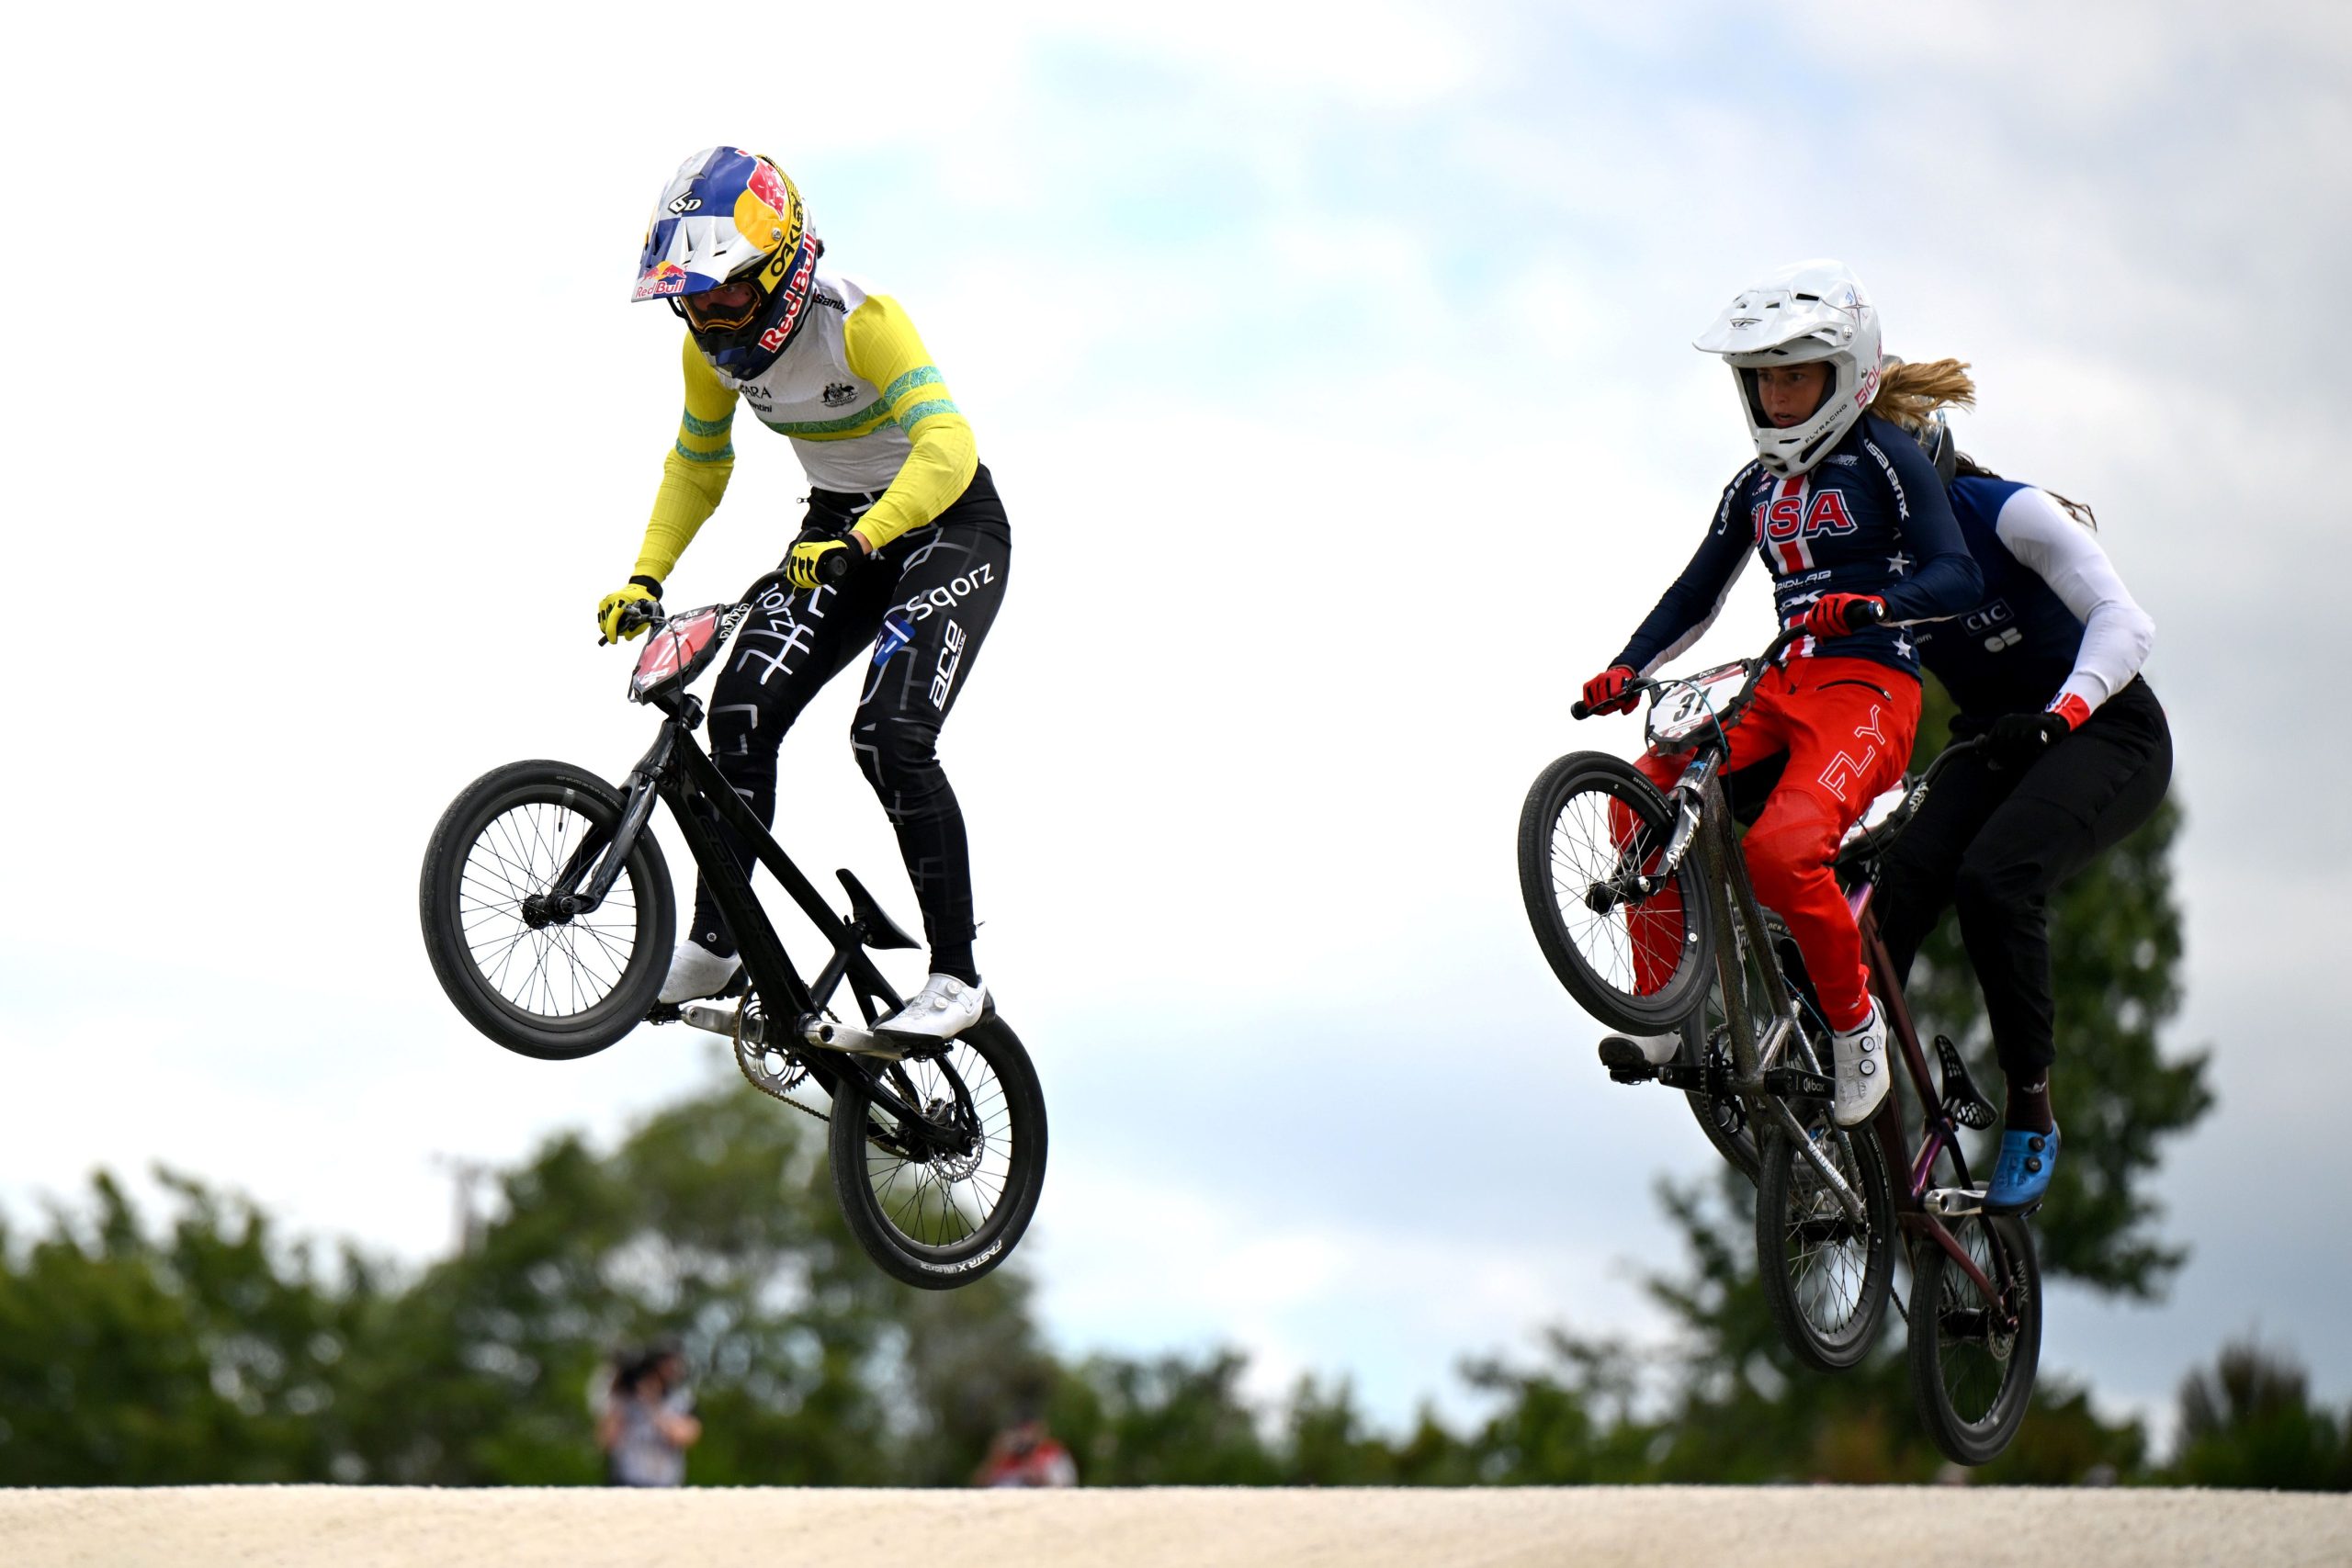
(2054, 622)
(1871, 518)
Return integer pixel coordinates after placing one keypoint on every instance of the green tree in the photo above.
(2248, 1420)
(212, 1351)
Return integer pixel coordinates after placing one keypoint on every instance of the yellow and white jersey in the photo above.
(818, 392)
(863, 404)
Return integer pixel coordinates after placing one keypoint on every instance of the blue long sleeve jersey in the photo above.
(1868, 518)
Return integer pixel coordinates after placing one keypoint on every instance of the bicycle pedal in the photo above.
(1799, 1083)
(1954, 1202)
(1642, 1074)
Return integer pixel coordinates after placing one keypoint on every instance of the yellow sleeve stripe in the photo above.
(695, 473)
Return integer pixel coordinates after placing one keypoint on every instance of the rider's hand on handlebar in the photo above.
(1605, 692)
(824, 558)
(641, 591)
(1840, 615)
(2015, 739)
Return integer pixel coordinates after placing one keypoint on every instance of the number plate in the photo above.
(1686, 709)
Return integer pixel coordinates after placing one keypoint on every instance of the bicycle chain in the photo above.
(749, 1058)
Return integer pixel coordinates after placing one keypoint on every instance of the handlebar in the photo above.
(1642, 685)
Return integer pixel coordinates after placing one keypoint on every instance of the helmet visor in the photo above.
(727, 308)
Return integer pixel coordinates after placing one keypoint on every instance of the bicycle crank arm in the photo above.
(848, 1037)
(724, 1022)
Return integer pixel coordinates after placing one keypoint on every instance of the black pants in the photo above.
(922, 604)
(1995, 843)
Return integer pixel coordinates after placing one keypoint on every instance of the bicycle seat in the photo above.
(881, 931)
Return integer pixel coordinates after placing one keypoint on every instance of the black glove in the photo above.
(2017, 740)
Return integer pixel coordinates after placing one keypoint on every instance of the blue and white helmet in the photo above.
(731, 249)
(1806, 312)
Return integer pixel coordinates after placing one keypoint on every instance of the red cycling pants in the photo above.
(1846, 726)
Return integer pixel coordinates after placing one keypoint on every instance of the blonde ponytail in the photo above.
(1909, 394)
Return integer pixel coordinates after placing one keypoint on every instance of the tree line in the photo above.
(204, 1344)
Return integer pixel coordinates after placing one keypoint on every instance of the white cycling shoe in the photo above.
(1862, 1070)
(696, 972)
(944, 1008)
(1622, 1052)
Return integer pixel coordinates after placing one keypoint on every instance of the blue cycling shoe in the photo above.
(2021, 1176)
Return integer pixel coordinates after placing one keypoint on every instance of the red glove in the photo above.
(1605, 692)
(1840, 615)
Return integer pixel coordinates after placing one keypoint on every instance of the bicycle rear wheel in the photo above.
(1973, 1361)
(1591, 822)
(1826, 1276)
(553, 988)
(939, 1217)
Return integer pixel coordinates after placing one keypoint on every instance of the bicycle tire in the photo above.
(1826, 1302)
(512, 829)
(1955, 1340)
(1587, 786)
(889, 1219)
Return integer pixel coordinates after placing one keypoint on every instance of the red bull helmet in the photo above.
(731, 250)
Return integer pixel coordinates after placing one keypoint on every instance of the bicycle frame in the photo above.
(1703, 826)
(677, 771)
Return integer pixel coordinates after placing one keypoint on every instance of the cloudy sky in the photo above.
(1336, 374)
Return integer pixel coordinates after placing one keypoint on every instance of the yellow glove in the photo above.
(825, 559)
(641, 591)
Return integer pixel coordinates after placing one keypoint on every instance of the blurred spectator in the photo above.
(1025, 1454)
(647, 1423)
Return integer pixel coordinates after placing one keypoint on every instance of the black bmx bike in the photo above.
(549, 916)
(1641, 903)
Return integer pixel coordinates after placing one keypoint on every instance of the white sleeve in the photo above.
(2116, 633)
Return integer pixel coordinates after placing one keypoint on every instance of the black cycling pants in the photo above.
(919, 609)
(1995, 843)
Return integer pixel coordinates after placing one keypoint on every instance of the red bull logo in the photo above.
(796, 300)
(664, 278)
(769, 185)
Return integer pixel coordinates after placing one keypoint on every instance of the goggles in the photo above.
(727, 308)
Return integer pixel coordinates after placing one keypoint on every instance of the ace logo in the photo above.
(1788, 525)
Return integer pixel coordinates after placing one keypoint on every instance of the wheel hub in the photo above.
(961, 1162)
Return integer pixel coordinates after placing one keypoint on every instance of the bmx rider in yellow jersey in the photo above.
(897, 492)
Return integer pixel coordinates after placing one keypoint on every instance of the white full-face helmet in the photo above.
(1807, 312)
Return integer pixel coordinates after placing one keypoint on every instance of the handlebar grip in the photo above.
(1577, 710)
(1868, 613)
(835, 565)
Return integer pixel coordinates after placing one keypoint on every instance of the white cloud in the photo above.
(1339, 385)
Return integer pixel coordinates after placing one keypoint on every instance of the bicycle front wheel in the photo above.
(1973, 1360)
(1591, 825)
(554, 988)
(1827, 1274)
(940, 1204)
